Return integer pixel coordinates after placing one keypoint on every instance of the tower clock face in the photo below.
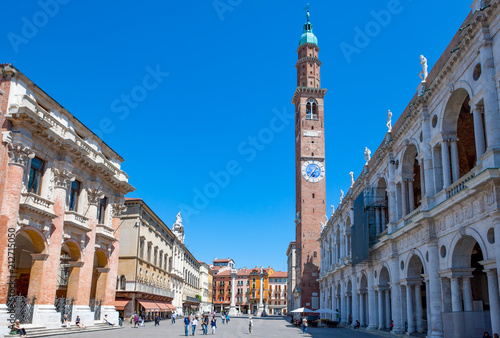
(313, 171)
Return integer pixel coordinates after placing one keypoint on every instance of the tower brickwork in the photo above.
(310, 167)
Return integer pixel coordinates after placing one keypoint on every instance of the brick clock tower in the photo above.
(309, 168)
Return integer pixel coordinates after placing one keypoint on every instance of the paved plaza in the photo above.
(238, 327)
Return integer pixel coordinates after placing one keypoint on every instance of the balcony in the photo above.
(75, 220)
(37, 204)
(106, 232)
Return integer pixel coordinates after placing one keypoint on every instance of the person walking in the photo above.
(173, 317)
(194, 323)
(186, 325)
(223, 317)
(250, 325)
(213, 324)
(157, 319)
(227, 318)
(136, 320)
(205, 325)
(304, 325)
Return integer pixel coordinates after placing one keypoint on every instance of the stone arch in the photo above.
(464, 241)
(30, 244)
(410, 172)
(384, 276)
(449, 115)
(74, 248)
(415, 265)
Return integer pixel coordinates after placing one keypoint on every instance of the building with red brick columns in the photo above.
(61, 197)
(309, 169)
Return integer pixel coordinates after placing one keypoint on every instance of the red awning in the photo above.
(162, 306)
(120, 303)
(149, 305)
(171, 307)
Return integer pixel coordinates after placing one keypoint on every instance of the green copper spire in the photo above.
(308, 36)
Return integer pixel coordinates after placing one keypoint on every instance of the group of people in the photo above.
(139, 320)
(205, 321)
(67, 323)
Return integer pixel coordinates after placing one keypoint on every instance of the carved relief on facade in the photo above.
(62, 178)
(19, 154)
(94, 196)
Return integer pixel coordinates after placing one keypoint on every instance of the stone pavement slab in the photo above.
(237, 327)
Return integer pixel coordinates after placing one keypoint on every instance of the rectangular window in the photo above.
(101, 212)
(36, 173)
(141, 248)
(73, 195)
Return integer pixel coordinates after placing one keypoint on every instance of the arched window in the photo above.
(311, 109)
(123, 281)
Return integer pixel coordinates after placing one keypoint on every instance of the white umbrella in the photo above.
(326, 311)
(301, 310)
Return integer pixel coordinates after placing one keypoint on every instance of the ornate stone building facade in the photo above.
(61, 197)
(416, 240)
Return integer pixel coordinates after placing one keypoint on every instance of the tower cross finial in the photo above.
(307, 15)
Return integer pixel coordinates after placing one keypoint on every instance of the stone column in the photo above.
(372, 305)
(261, 295)
(355, 300)
(362, 307)
(396, 296)
(348, 297)
(455, 166)
(383, 224)
(393, 210)
(404, 198)
(418, 308)
(456, 299)
(380, 309)
(409, 309)
(434, 292)
(445, 156)
(467, 292)
(491, 116)
(446, 286)
(232, 310)
(422, 178)
(44, 313)
(477, 113)
(496, 225)
(378, 226)
(428, 155)
(387, 316)
(343, 307)
(494, 300)
(411, 196)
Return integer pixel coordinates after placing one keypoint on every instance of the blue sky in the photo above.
(186, 92)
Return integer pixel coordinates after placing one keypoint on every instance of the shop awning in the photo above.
(162, 306)
(171, 307)
(120, 303)
(149, 305)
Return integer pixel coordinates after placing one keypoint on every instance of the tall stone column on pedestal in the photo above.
(477, 113)
(493, 296)
(436, 326)
(396, 296)
(343, 307)
(44, 312)
(232, 310)
(19, 155)
(409, 309)
(261, 293)
(380, 294)
(455, 166)
(372, 306)
(467, 292)
(387, 296)
(418, 308)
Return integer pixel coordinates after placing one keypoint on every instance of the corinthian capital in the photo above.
(94, 195)
(19, 154)
(62, 178)
(118, 209)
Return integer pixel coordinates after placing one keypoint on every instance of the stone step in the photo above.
(44, 332)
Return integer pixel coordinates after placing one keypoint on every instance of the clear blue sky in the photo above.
(230, 70)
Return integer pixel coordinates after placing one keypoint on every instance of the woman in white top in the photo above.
(194, 322)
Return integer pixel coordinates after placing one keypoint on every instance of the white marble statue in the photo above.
(389, 121)
(341, 195)
(326, 218)
(333, 208)
(178, 221)
(423, 74)
(322, 226)
(352, 178)
(367, 155)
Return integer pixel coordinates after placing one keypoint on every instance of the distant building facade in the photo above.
(144, 282)
(292, 292)
(278, 293)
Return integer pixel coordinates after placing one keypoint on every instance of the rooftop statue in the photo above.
(423, 74)
(389, 121)
(352, 178)
(367, 155)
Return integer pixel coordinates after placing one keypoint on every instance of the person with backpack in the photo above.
(213, 324)
(205, 325)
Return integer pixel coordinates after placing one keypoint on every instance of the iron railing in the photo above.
(64, 307)
(22, 307)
